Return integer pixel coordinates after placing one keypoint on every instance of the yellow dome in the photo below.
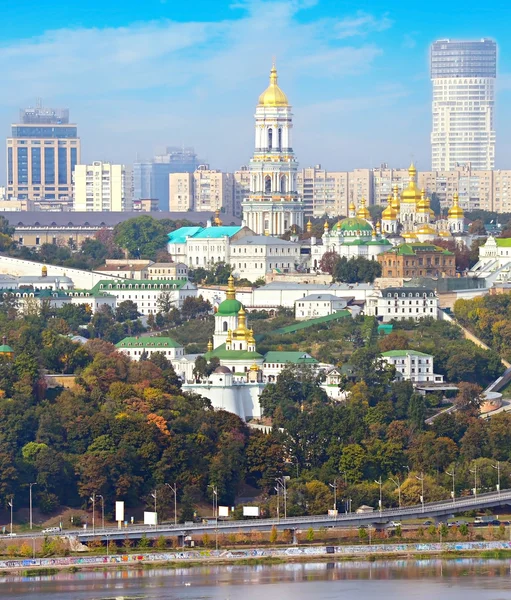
(390, 213)
(423, 203)
(426, 229)
(396, 205)
(254, 367)
(456, 212)
(444, 234)
(325, 226)
(217, 220)
(309, 226)
(412, 193)
(409, 235)
(273, 95)
(363, 212)
(241, 331)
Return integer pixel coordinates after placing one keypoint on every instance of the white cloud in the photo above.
(362, 24)
(166, 83)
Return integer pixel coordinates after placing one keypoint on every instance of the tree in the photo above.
(127, 311)
(328, 262)
(417, 411)
(435, 204)
(477, 227)
(356, 270)
(142, 236)
(469, 398)
(195, 307)
(165, 302)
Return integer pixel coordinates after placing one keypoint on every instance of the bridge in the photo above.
(377, 519)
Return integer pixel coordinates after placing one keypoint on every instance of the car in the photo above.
(12, 534)
(428, 523)
(494, 522)
(51, 530)
(394, 524)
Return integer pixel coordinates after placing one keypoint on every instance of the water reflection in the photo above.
(208, 581)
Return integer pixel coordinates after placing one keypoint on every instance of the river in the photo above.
(432, 579)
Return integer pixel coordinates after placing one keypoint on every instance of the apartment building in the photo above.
(100, 187)
(204, 190)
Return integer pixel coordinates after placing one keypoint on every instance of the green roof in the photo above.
(4, 349)
(148, 342)
(110, 285)
(294, 358)
(179, 235)
(392, 353)
(412, 249)
(503, 242)
(354, 224)
(224, 354)
(228, 308)
(340, 314)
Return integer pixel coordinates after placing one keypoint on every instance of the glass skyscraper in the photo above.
(463, 75)
(41, 154)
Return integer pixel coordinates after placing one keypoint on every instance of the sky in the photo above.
(139, 76)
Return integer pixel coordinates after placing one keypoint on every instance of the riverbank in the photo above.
(192, 558)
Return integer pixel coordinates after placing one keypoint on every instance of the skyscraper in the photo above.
(273, 205)
(100, 187)
(463, 75)
(41, 154)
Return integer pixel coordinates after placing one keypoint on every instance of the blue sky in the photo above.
(138, 76)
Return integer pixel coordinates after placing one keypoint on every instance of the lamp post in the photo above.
(215, 512)
(11, 504)
(174, 489)
(102, 511)
(379, 482)
(453, 493)
(93, 498)
(474, 471)
(421, 479)
(277, 489)
(334, 487)
(497, 466)
(281, 481)
(398, 486)
(154, 495)
(31, 484)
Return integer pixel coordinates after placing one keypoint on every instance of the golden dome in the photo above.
(325, 226)
(390, 213)
(254, 367)
(352, 207)
(309, 226)
(273, 95)
(217, 220)
(250, 336)
(423, 203)
(44, 271)
(210, 346)
(396, 205)
(444, 234)
(241, 331)
(363, 211)
(230, 293)
(455, 212)
(426, 229)
(412, 193)
(409, 235)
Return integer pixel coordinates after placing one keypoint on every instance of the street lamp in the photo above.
(398, 486)
(421, 479)
(174, 489)
(453, 493)
(154, 495)
(11, 504)
(215, 511)
(277, 489)
(497, 466)
(474, 471)
(93, 498)
(102, 511)
(334, 487)
(282, 482)
(31, 484)
(379, 482)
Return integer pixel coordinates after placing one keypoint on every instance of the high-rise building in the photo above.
(151, 178)
(100, 187)
(204, 190)
(273, 205)
(41, 154)
(241, 189)
(463, 75)
(323, 192)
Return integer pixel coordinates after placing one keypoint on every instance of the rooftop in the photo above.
(397, 353)
(411, 249)
(503, 242)
(295, 358)
(323, 298)
(262, 240)
(285, 285)
(148, 342)
(407, 290)
(139, 284)
(340, 314)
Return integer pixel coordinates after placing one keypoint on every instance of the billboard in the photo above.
(251, 511)
(150, 518)
(119, 511)
(223, 511)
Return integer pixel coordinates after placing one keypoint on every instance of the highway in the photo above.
(433, 510)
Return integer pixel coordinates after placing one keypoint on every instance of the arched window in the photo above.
(283, 184)
(267, 184)
(270, 137)
(280, 139)
(225, 326)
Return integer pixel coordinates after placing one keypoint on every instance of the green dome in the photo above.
(354, 224)
(229, 308)
(5, 349)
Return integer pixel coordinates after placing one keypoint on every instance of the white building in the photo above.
(125, 268)
(136, 347)
(99, 187)
(319, 305)
(45, 281)
(413, 366)
(463, 75)
(494, 264)
(145, 294)
(273, 206)
(402, 303)
(172, 270)
(253, 256)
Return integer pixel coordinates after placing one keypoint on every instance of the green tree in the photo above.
(127, 311)
(142, 236)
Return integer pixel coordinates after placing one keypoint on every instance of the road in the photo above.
(433, 510)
